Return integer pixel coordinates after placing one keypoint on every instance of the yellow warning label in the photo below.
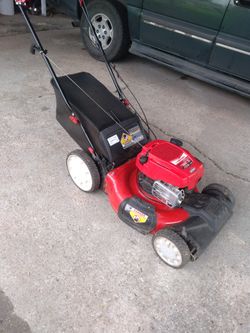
(137, 216)
(126, 139)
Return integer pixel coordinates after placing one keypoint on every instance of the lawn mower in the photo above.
(151, 184)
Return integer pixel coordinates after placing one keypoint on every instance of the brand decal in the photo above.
(113, 140)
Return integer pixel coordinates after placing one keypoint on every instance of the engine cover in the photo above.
(165, 161)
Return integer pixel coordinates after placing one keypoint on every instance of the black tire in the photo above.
(219, 190)
(94, 174)
(117, 15)
(179, 243)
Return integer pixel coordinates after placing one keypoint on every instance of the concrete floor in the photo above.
(13, 25)
(67, 264)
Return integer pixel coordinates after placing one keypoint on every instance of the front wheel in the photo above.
(83, 171)
(171, 248)
(109, 19)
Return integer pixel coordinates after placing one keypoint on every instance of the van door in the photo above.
(185, 28)
(231, 52)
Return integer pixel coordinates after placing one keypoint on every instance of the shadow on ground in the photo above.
(9, 321)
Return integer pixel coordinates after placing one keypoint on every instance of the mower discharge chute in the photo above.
(151, 184)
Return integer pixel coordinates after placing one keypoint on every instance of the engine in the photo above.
(165, 170)
(168, 194)
(171, 167)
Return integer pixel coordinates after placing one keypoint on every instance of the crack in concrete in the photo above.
(244, 179)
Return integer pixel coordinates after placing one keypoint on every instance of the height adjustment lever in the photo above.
(34, 48)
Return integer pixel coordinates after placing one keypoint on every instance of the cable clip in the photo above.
(125, 101)
(74, 119)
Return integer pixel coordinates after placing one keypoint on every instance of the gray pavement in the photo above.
(67, 264)
(13, 25)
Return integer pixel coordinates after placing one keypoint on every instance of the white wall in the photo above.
(7, 7)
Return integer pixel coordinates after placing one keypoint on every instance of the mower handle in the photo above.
(37, 46)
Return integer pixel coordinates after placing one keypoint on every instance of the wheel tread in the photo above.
(180, 243)
(96, 179)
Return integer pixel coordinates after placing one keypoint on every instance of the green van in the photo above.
(206, 39)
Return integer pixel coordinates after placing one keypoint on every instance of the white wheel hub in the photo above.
(79, 172)
(103, 28)
(168, 251)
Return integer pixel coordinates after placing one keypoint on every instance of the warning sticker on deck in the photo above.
(133, 136)
(137, 216)
(126, 140)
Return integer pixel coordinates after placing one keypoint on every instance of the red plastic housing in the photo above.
(121, 183)
(165, 161)
(170, 163)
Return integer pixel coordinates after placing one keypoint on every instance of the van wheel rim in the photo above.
(79, 172)
(103, 28)
(168, 251)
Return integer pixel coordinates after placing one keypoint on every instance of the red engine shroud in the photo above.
(165, 162)
(171, 164)
(121, 184)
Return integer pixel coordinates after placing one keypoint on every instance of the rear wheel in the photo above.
(83, 171)
(109, 19)
(171, 248)
(219, 190)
